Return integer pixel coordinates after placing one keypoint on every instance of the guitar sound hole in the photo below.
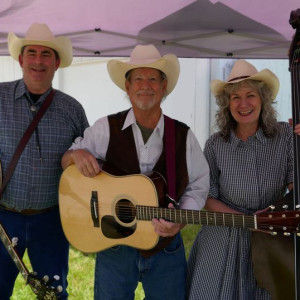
(125, 211)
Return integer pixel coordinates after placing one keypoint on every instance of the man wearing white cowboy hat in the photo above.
(251, 167)
(137, 141)
(29, 203)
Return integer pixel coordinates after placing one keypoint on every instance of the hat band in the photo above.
(237, 78)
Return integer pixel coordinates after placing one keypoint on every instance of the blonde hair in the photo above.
(268, 115)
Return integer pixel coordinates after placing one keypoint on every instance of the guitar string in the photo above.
(295, 94)
(127, 214)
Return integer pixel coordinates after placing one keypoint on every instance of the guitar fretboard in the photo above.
(15, 257)
(185, 216)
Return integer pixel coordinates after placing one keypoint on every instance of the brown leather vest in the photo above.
(122, 145)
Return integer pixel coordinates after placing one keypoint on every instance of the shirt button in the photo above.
(33, 108)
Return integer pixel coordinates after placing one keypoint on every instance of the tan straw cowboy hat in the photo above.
(145, 56)
(40, 34)
(243, 70)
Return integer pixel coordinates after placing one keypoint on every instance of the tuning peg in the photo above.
(287, 234)
(45, 279)
(272, 207)
(56, 277)
(59, 289)
(298, 206)
(14, 241)
(285, 207)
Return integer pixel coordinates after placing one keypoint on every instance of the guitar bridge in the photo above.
(94, 209)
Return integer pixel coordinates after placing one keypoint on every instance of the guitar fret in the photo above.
(154, 215)
(255, 222)
(207, 218)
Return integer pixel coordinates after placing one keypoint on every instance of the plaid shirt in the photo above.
(34, 183)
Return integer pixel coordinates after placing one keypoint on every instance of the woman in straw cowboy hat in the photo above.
(29, 203)
(135, 141)
(251, 165)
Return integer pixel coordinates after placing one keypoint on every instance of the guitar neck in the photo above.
(13, 254)
(185, 216)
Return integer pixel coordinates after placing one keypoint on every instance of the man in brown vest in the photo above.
(143, 140)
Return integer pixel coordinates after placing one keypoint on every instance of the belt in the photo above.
(28, 212)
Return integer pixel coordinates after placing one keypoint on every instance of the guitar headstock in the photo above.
(41, 287)
(295, 45)
(279, 222)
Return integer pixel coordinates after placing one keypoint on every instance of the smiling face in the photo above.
(245, 106)
(39, 64)
(146, 88)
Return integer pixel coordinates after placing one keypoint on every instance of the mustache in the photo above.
(145, 93)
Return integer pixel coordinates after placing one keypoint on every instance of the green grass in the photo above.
(81, 274)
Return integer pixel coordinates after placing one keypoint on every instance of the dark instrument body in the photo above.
(276, 260)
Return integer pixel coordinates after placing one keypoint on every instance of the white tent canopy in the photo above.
(187, 28)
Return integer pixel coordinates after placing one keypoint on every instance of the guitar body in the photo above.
(91, 209)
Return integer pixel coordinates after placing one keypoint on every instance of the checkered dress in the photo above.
(247, 176)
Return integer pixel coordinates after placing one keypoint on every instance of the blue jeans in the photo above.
(119, 269)
(47, 248)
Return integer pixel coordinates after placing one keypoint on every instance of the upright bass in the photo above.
(276, 260)
(294, 63)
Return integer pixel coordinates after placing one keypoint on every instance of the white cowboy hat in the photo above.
(145, 56)
(243, 70)
(40, 34)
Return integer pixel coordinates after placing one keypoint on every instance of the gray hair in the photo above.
(268, 115)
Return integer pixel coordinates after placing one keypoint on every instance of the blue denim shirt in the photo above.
(34, 183)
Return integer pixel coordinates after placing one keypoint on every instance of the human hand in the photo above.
(165, 228)
(86, 163)
(296, 128)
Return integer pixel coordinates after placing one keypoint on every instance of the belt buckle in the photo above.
(28, 212)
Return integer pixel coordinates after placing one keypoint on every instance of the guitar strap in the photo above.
(25, 140)
(169, 144)
(169, 140)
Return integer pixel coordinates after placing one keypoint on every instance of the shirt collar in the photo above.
(22, 90)
(259, 136)
(130, 120)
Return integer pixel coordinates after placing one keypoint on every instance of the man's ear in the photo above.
(127, 83)
(165, 87)
(57, 63)
(21, 60)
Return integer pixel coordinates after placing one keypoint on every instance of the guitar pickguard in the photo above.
(113, 230)
(113, 226)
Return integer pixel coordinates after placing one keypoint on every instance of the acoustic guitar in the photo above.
(108, 210)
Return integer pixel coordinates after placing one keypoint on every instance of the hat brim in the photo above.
(61, 45)
(168, 64)
(268, 77)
